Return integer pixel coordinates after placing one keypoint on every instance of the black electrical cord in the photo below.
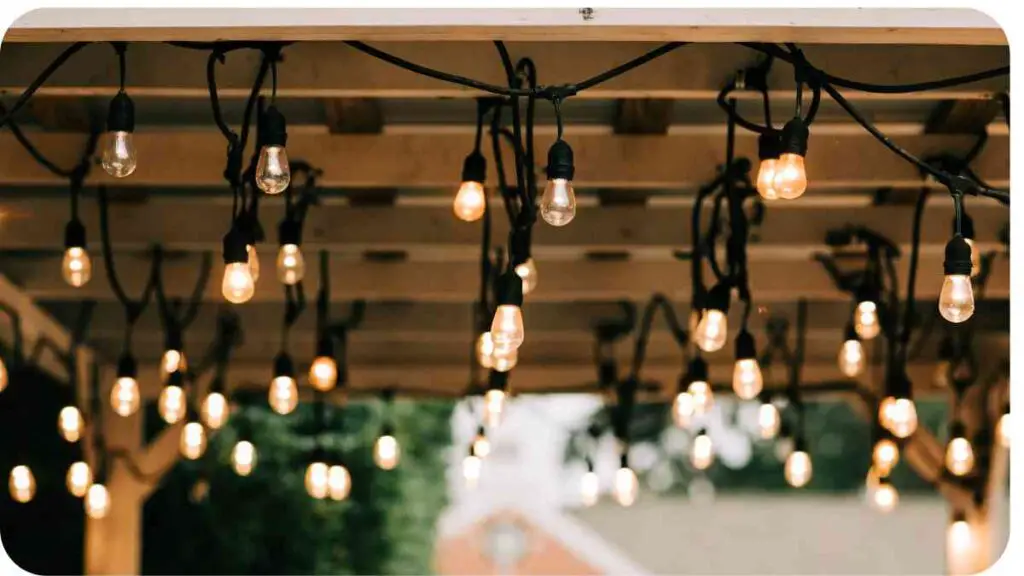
(40, 80)
(909, 310)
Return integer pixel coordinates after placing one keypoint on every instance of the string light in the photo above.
(485, 351)
(237, 285)
(698, 387)
(702, 453)
(124, 394)
(273, 173)
(284, 394)
(323, 372)
(317, 477)
(558, 203)
(171, 404)
(505, 359)
(119, 157)
(481, 445)
(471, 201)
(215, 410)
(683, 409)
(79, 478)
(193, 440)
(472, 465)
(851, 354)
(291, 265)
(712, 330)
(243, 457)
(769, 146)
(97, 501)
(590, 486)
(527, 271)
(768, 419)
(956, 300)
(339, 482)
(865, 318)
(507, 328)
(627, 487)
(1004, 426)
(494, 405)
(386, 450)
(70, 423)
(884, 496)
(747, 380)
(173, 359)
(959, 452)
(22, 484)
(790, 179)
(885, 455)
(897, 412)
(76, 267)
(798, 469)
(960, 539)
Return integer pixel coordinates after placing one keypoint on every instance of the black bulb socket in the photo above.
(121, 114)
(235, 246)
(698, 371)
(283, 366)
(794, 137)
(746, 349)
(74, 234)
(472, 449)
(851, 333)
(176, 378)
(511, 289)
(325, 347)
(702, 432)
(519, 242)
(959, 516)
(317, 454)
(769, 145)
(966, 225)
(387, 429)
(958, 257)
(800, 444)
(273, 131)
(474, 169)
(957, 430)
(560, 161)
(497, 380)
(624, 458)
(289, 232)
(127, 367)
(718, 298)
(174, 341)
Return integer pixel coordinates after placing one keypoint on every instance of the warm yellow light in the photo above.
(171, 404)
(956, 301)
(558, 203)
(243, 457)
(885, 456)
(884, 496)
(291, 265)
(485, 351)
(79, 478)
(76, 267)
(494, 406)
(507, 328)
(173, 361)
(768, 420)
(766, 179)
(97, 501)
(683, 408)
(712, 331)
(481, 445)
(590, 488)
(323, 373)
(865, 320)
(316, 480)
(386, 452)
(3, 374)
(798, 469)
(193, 440)
(471, 468)
(1003, 430)
(22, 484)
(283, 395)
(470, 201)
(124, 396)
(703, 397)
(627, 487)
(851, 358)
(215, 410)
(505, 358)
(238, 285)
(747, 381)
(70, 423)
(528, 272)
(959, 456)
(790, 178)
(339, 482)
(960, 540)
(898, 415)
(273, 174)
(119, 157)
(702, 453)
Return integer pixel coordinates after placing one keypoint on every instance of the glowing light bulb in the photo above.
(768, 420)
(960, 541)
(702, 453)
(528, 272)
(316, 480)
(173, 361)
(386, 452)
(790, 178)
(472, 465)
(284, 394)
(703, 398)
(272, 171)
(3, 375)
(898, 415)
(323, 373)
(470, 201)
(119, 157)
(798, 469)
(291, 265)
(851, 358)
(504, 358)
(339, 482)
(627, 487)
(481, 445)
(485, 351)
(124, 396)
(22, 484)
(243, 457)
(766, 179)
(172, 404)
(885, 456)
(746, 378)
(1003, 427)
(959, 456)
(494, 406)
(866, 320)
(253, 261)
(76, 267)
(79, 478)
(558, 204)
(70, 423)
(712, 330)
(884, 496)
(238, 285)
(193, 440)
(683, 408)
(215, 410)
(507, 328)
(590, 488)
(956, 301)
(97, 501)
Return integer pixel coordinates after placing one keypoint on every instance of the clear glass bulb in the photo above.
(481, 445)
(193, 440)
(119, 157)
(865, 321)
(386, 452)
(1003, 432)
(70, 423)
(885, 456)
(238, 285)
(124, 396)
(283, 395)
(703, 397)
(558, 204)
(485, 351)
(243, 457)
(507, 328)
(798, 469)
(253, 262)
(528, 272)
(79, 478)
(76, 267)
(272, 171)
(291, 265)
(494, 406)
(171, 404)
(975, 257)
(766, 179)
(173, 361)
(505, 358)
(702, 454)
(22, 484)
(942, 373)
(627, 487)
(316, 480)
(683, 408)
(884, 497)
(959, 456)
(712, 331)
(768, 420)
(215, 410)
(97, 501)
(470, 201)
(323, 373)
(898, 415)
(3, 375)
(851, 358)
(590, 488)
(747, 381)
(959, 538)
(339, 482)
(956, 301)
(471, 468)
(790, 178)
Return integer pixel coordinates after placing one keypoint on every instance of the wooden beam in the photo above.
(353, 116)
(192, 158)
(643, 116)
(334, 70)
(56, 114)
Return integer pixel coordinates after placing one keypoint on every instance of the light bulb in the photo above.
(243, 457)
(173, 361)
(703, 398)
(470, 201)
(76, 267)
(898, 415)
(3, 374)
(590, 488)
(22, 484)
(558, 204)
(959, 456)
(97, 501)
(284, 394)
(323, 373)
(866, 320)
(481, 445)
(798, 469)
(316, 480)
(746, 378)
(471, 467)
(193, 440)
(627, 487)
(386, 452)
(504, 358)
(494, 406)
(768, 420)
(851, 358)
(683, 408)
(253, 261)
(975, 257)
(884, 496)
(960, 541)
(528, 272)
(272, 171)
(885, 456)
(956, 301)
(124, 396)
(70, 423)
(485, 351)
(790, 178)
(215, 410)
(766, 179)
(172, 404)
(291, 265)
(1003, 429)
(712, 330)
(79, 478)
(507, 327)
(339, 482)
(702, 453)
(238, 285)
(119, 157)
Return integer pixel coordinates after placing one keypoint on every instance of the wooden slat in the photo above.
(643, 116)
(353, 115)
